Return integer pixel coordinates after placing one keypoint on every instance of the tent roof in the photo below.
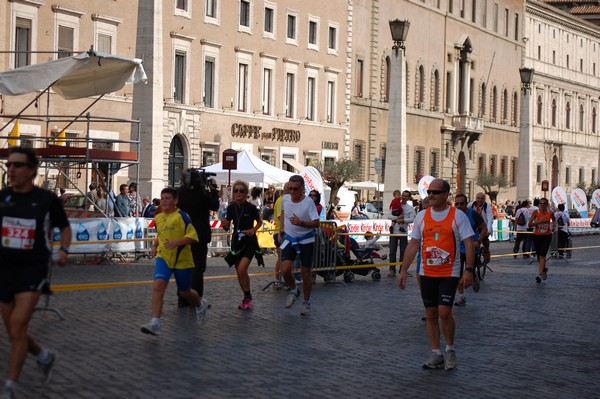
(250, 168)
(82, 75)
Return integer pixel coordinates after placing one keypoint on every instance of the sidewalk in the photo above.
(365, 340)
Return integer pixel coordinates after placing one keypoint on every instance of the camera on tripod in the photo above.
(197, 178)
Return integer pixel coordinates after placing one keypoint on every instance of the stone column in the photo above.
(525, 173)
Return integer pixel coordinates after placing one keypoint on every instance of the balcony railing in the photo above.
(467, 123)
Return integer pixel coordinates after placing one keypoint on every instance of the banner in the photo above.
(596, 198)
(424, 186)
(314, 181)
(559, 196)
(579, 201)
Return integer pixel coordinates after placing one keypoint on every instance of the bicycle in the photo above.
(480, 267)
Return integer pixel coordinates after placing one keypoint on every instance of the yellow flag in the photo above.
(14, 133)
(61, 139)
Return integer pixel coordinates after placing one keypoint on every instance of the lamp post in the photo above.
(395, 162)
(524, 174)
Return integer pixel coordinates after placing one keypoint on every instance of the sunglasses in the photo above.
(436, 192)
(17, 165)
(294, 188)
(239, 190)
(543, 203)
(460, 203)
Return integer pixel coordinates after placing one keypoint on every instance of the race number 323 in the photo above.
(18, 233)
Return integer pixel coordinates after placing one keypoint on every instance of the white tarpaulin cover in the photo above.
(83, 75)
(250, 168)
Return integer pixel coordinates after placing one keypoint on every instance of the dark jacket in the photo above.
(197, 204)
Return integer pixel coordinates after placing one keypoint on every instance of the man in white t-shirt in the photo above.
(521, 221)
(438, 231)
(298, 221)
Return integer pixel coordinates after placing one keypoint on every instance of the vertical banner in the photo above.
(314, 181)
(424, 185)
(579, 201)
(596, 198)
(559, 196)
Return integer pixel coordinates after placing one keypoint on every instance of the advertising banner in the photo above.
(314, 181)
(424, 186)
(579, 201)
(596, 198)
(559, 196)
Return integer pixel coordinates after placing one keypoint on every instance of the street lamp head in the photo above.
(526, 76)
(399, 31)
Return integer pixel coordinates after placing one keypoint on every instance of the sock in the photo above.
(42, 357)
(437, 351)
(10, 385)
(296, 291)
(307, 302)
(449, 348)
(155, 321)
(247, 294)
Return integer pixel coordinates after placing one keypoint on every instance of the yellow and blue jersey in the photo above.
(174, 226)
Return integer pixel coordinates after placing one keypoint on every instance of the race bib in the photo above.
(18, 233)
(436, 256)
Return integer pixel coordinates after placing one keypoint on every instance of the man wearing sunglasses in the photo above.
(28, 214)
(438, 231)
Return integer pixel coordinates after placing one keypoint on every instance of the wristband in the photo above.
(469, 269)
(64, 249)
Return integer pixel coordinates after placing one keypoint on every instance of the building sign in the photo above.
(329, 145)
(254, 132)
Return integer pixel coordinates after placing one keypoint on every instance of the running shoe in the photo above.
(151, 328)
(8, 394)
(538, 279)
(246, 304)
(462, 301)
(476, 285)
(450, 360)
(201, 312)
(545, 274)
(435, 361)
(291, 298)
(392, 273)
(305, 309)
(47, 367)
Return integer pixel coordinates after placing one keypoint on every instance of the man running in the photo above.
(438, 230)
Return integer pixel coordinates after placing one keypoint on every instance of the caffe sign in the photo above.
(254, 132)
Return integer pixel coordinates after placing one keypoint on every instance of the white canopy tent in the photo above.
(83, 75)
(365, 185)
(251, 169)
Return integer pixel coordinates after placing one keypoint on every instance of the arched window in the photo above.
(540, 108)
(436, 90)
(176, 159)
(483, 96)
(554, 112)
(515, 114)
(581, 117)
(387, 79)
(568, 115)
(494, 104)
(421, 87)
(505, 106)
(594, 117)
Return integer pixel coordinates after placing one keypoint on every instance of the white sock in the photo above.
(42, 357)
(449, 348)
(437, 351)
(10, 385)
(155, 321)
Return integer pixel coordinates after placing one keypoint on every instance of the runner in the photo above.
(542, 221)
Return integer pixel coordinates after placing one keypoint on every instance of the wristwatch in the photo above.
(469, 269)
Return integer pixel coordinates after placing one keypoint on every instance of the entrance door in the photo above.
(176, 159)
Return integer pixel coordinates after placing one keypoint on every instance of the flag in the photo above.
(14, 133)
(61, 139)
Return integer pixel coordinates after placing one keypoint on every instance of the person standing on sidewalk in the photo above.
(298, 222)
(404, 216)
(28, 214)
(438, 231)
(542, 222)
(246, 220)
(122, 202)
(174, 234)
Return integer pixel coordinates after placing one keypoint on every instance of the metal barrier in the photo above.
(324, 255)
(220, 242)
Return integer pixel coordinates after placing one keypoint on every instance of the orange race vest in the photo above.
(439, 246)
(543, 229)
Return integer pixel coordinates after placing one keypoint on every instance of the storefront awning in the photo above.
(294, 164)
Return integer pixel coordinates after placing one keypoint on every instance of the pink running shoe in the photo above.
(246, 304)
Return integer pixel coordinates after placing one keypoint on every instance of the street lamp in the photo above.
(399, 32)
(395, 162)
(524, 173)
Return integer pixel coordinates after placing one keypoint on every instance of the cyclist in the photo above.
(480, 229)
(485, 210)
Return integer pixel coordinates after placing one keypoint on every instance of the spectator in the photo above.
(122, 202)
(135, 203)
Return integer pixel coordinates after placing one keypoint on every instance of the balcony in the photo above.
(467, 127)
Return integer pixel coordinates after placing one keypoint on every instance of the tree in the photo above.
(492, 185)
(335, 174)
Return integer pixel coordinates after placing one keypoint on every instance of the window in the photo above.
(553, 112)
(481, 166)
(495, 17)
(580, 65)
(359, 77)
(506, 22)
(291, 27)
(332, 38)
(242, 94)
(22, 42)
(515, 115)
(581, 117)
(104, 43)
(483, 99)
(289, 94)
(358, 154)
(568, 115)
(434, 161)
(179, 77)
(436, 90)
(568, 175)
(581, 175)
(448, 91)
(504, 167)
(245, 13)
(514, 164)
(484, 16)
(494, 104)
(516, 26)
(421, 87)
(505, 106)
(594, 117)
(312, 32)
(474, 11)
(538, 173)
(419, 164)
(554, 56)
(268, 20)
(211, 8)
(539, 52)
(181, 5)
(266, 91)
(310, 98)
(493, 165)
(567, 60)
(209, 82)
(65, 41)
(386, 82)
(330, 101)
